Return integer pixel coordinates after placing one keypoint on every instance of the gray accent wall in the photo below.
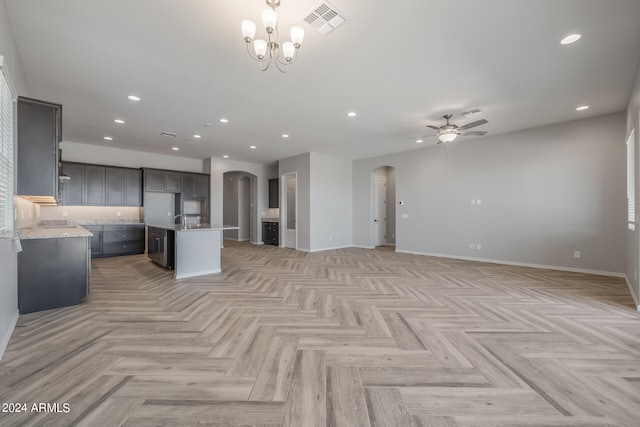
(230, 214)
(633, 236)
(8, 256)
(331, 205)
(544, 193)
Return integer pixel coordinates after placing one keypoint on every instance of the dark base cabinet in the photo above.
(53, 273)
(116, 240)
(271, 233)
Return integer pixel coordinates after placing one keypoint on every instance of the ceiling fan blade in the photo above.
(473, 124)
(475, 132)
(433, 127)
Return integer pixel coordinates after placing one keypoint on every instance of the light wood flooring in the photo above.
(349, 337)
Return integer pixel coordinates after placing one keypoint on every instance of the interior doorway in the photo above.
(289, 210)
(383, 206)
(239, 205)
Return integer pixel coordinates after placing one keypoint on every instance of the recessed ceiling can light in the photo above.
(284, 135)
(108, 138)
(225, 156)
(253, 147)
(195, 135)
(571, 38)
(133, 98)
(119, 121)
(175, 148)
(208, 125)
(224, 120)
(352, 114)
(582, 108)
(419, 141)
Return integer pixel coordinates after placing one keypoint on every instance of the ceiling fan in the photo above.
(449, 132)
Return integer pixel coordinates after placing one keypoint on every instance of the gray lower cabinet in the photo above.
(53, 273)
(270, 233)
(116, 240)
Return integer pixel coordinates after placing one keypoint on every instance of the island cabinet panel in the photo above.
(53, 273)
(94, 185)
(39, 131)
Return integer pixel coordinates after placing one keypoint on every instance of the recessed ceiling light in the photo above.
(208, 125)
(195, 135)
(571, 38)
(175, 148)
(133, 98)
(108, 138)
(352, 114)
(582, 108)
(225, 156)
(224, 120)
(419, 141)
(284, 135)
(253, 147)
(119, 121)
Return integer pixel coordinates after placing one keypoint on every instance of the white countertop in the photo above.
(53, 232)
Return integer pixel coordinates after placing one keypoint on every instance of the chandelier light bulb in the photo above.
(269, 19)
(297, 35)
(248, 30)
(288, 50)
(260, 46)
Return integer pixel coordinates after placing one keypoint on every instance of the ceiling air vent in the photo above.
(472, 112)
(169, 134)
(324, 18)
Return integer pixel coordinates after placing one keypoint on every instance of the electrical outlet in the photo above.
(472, 245)
(473, 201)
(404, 216)
(577, 254)
(330, 238)
(168, 213)
(118, 213)
(479, 202)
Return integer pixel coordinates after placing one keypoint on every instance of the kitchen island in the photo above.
(190, 251)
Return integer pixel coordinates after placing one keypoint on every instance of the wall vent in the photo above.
(324, 18)
(169, 134)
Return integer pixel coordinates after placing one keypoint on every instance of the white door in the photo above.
(380, 210)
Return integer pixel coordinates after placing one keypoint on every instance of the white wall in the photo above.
(259, 188)
(8, 256)
(86, 153)
(301, 164)
(633, 237)
(330, 202)
(545, 192)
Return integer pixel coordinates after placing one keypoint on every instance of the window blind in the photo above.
(6, 156)
(631, 182)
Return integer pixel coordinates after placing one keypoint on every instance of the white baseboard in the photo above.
(363, 247)
(633, 295)
(5, 339)
(521, 264)
(328, 249)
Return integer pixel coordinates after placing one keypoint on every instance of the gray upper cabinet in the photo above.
(72, 188)
(114, 179)
(132, 187)
(162, 181)
(94, 185)
(195, 185)
(274, 193)
(39, 130)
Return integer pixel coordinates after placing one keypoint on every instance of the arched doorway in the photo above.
(239, 201)
(383, 206)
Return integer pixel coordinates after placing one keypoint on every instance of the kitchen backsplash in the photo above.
(87, 214)
(271, 213)
(27, 214)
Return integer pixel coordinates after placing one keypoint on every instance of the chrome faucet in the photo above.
(184, 220)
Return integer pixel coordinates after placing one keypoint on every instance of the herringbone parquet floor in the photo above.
(349, 337)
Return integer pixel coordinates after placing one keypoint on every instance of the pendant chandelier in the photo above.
(271, 50)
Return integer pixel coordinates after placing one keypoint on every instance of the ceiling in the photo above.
(399, 65)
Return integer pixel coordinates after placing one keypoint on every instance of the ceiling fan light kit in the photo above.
(449, 132)
(271, 50)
